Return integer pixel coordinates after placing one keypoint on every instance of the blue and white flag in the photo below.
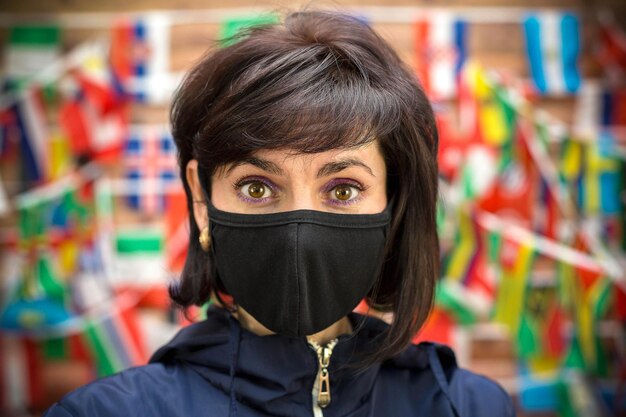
(553, 48)
(151, 32)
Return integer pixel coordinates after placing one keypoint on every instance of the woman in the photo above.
(308, 153)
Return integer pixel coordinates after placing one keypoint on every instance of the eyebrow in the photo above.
(328, 169)
(263, 164)
(337, 166)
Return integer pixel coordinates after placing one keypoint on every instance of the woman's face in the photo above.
(340, 181)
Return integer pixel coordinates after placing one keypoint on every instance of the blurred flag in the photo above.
(114, 341)
(139, 261)
(541, 338)
(95, 116)
(177, 230)
(600, 190)
(611, 51)
(613, 107)
(60, 155)
(150, 164)
(5, 206)
(517, 261)
(553, 49)
(496, 114)
(439, 328)
(454, 146)
(231, 27)
(440, 47)
(34, 140)
(589, 294)
(570, 160)
(123, 51)
(14, 388)
(461, 262)
(30, 49)
(140, 53)
(515, 191)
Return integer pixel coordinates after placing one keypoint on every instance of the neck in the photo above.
(342, 326)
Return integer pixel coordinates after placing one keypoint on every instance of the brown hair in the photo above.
(319, 80)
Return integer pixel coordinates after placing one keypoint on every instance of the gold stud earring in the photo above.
(205, 239)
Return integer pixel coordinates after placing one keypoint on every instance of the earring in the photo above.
(205, 239)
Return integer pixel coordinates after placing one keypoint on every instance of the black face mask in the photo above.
(300, 271)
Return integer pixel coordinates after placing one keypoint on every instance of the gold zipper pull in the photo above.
(323, 395)
(323, 356)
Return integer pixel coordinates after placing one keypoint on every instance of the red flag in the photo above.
(121, 50)
(95, 124)
(75, 125)
(439, 328)
(514, 194)
(34, 361)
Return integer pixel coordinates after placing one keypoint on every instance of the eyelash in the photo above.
(245, 180)
(344, 181)
(249, 180)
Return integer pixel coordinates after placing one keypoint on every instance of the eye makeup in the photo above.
(246, 180)
(331, 185)
(326, 190)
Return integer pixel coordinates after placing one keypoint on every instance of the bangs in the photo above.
(310, 100)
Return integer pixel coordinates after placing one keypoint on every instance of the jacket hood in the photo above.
(275, 374)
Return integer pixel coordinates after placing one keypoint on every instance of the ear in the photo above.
(199, 203)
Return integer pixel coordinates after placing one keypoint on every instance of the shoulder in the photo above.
(477, 395)
(468, 392)
(154, 390)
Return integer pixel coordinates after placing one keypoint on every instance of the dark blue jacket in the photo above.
(215, 368)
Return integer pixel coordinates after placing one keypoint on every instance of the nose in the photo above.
(302, 197)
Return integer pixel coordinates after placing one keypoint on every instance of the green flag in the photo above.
(233, 28)
(30, 49)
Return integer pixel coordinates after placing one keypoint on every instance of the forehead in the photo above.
(368, 152)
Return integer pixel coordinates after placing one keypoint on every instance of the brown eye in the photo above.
(343, 192)
(256, 190)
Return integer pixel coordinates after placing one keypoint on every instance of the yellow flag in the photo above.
(68, 258)
(490, 113)
(60, 156)
(512, 289)
(571, 159)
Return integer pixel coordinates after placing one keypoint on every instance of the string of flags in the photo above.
(552, 296)
(533, 225)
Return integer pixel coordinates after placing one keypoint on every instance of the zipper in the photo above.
(321, 386)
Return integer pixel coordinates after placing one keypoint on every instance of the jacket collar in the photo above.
(275, 374)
